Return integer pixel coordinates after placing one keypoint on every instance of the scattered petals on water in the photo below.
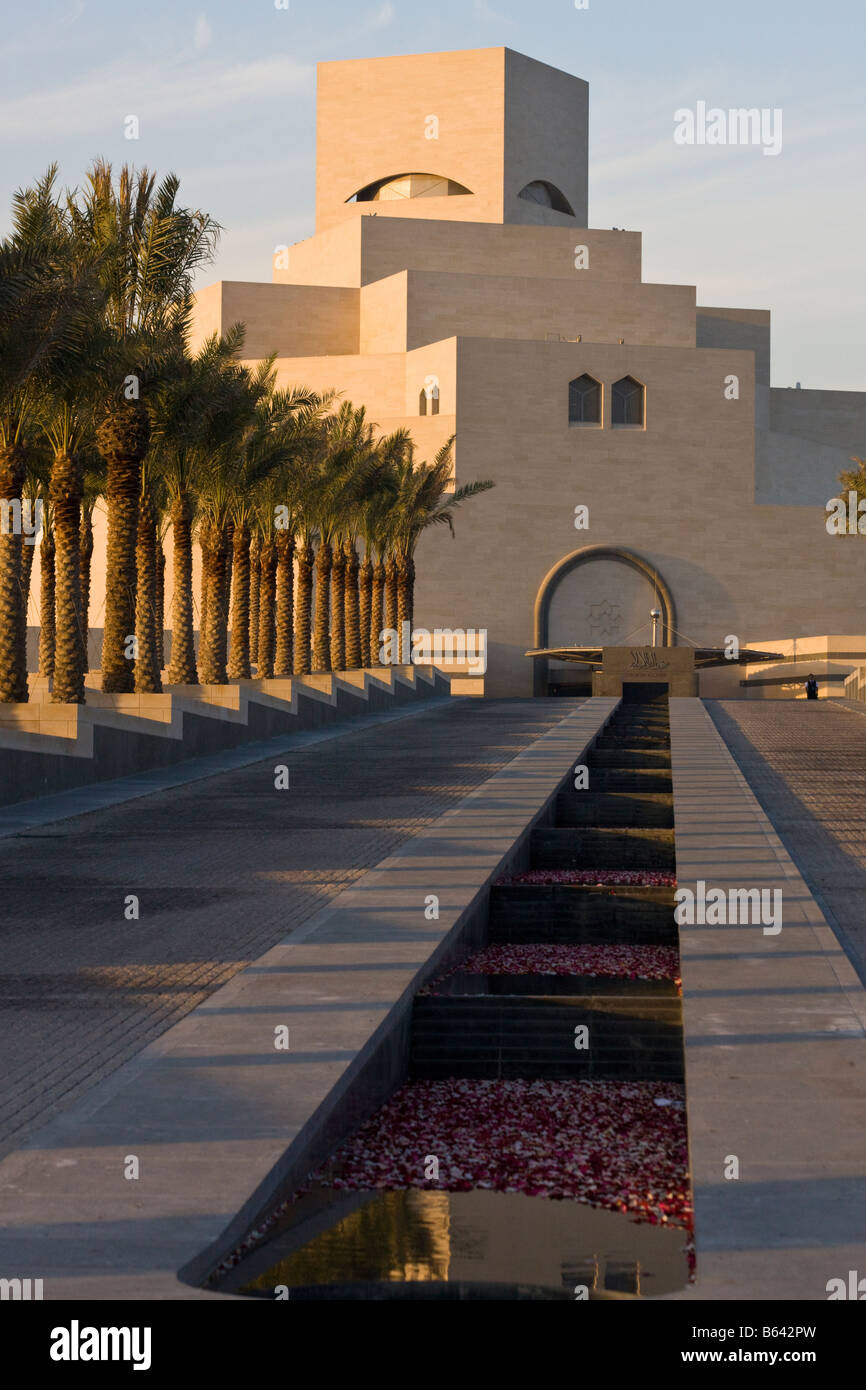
(592, 878)
(630, 962)
(605, 1143)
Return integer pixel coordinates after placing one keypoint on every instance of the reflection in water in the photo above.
(508, 1243)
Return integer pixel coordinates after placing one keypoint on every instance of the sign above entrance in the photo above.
(648, 658)
(677, 667)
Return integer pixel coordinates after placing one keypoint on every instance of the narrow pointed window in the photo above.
(627, 400)
(428, 403)
(584, 401)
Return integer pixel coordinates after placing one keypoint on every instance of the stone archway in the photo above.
(563, 567)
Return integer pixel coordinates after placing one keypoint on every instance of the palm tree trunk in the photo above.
(377, 597)
(255, 577)
(27, 553)
(239, 663)
(391, 594)
(267, 596)
(365, 605)
(66, 489)
(338, 609)
(303, 609)
(182, 670)
(13, 602)
(47, 628)
(85, 560)
(213, 656)
(160, 605)
(321, 634)
(147, 677)
(227, 581)
(403, 607)
(410, 594)
(205, 544)
(122, 440)
(352, 603)
(284, 664)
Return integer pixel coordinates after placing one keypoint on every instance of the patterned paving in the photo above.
(222, 869)
(806, 763)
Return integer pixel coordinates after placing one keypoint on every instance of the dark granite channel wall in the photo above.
(123, 752)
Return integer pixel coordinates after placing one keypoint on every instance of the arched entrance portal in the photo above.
(604, 605)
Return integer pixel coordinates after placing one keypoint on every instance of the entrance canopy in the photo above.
(703, 656)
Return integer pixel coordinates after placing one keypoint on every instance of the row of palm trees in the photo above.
(307, 519)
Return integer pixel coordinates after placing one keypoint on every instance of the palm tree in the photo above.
(28, 551)
(229, 479)
(148, 680)
(189, 406)
(264, 480)
(94, 486)
(424, 498)
(66, 419)
(377, 598)
(148, 250)
(253, 511)
(305, 555)
(161, 533)
(352, 604)
(267, 634)
(45, 296)
(47, 594)
(62, 609)
(255, 575)
(391, 593)
(346, 475)
(284, 663)
(377, 522)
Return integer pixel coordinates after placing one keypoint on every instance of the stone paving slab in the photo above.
(774, 1044)
(216, 1115)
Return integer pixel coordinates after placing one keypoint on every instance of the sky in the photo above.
(224, 93)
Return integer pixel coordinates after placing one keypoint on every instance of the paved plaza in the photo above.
(222, 869)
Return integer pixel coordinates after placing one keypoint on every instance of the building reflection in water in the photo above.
(475, 1238)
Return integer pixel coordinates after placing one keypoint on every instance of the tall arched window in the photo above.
(428, 401)
(627, 402)
(584, 401)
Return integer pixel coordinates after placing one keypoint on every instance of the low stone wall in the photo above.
(46, 748)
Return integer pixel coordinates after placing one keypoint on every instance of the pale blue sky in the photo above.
(225, 94)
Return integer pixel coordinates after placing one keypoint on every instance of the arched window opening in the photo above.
(547, 195)
(627, 402)
(584, 401)
(429, 399)
(403, 186)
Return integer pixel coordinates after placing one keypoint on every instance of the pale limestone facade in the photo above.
(505, 300)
